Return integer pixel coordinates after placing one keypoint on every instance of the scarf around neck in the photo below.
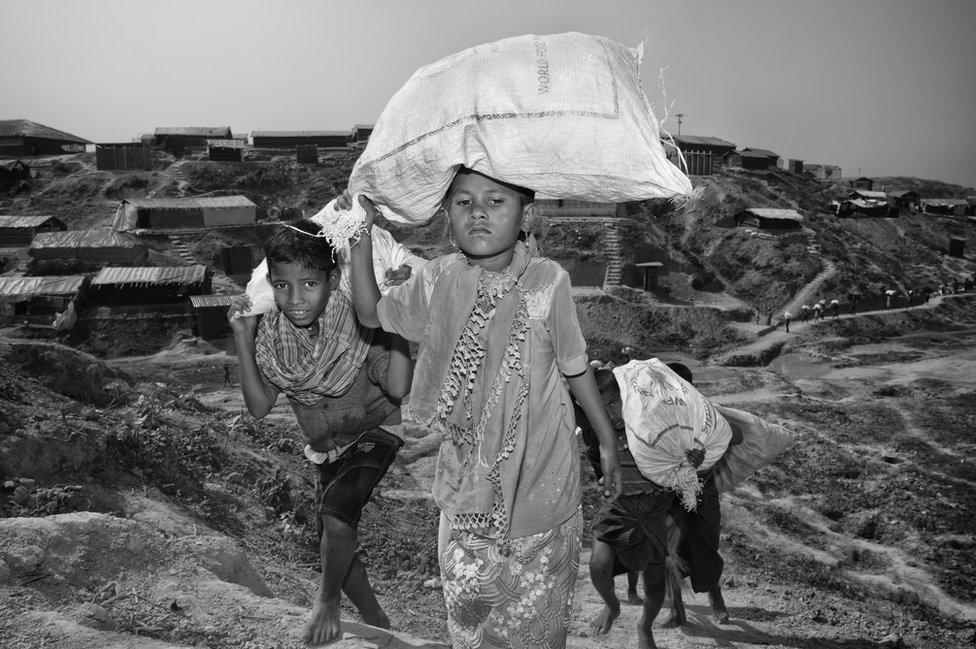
(471, 385)
(305, 367)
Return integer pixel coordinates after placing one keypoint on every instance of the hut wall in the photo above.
(109, 158)
(229, 216)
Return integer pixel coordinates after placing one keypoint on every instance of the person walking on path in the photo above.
(835, 305)
(787, 316)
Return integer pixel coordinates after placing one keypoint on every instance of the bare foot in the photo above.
(603, 622)
(645, 639)
(676, 619)
(324, 625)
(634, 598)
(377, 619)
(718, 605)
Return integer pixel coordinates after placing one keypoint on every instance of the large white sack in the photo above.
(761, 443)
(665, 416)
(387, 254)
(563, 114)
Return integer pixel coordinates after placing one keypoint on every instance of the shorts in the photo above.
(636, 528)
(344, 487)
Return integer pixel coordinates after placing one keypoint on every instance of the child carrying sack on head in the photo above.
(499, 341)
(344, 383)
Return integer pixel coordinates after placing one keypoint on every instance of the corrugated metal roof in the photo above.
(195, 203)
(299, 133)
(46, 285)
(227, 144)
(775, 213)
(23, 221)
(902, 192)
(151, 275)
(27, 128)
(103, 238)
(195, 131)
(871, 195)
(207, 301)
(707, 140)
(946, 202)
(766, 153)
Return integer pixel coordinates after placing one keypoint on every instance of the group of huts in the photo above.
(114, 267)
(704, 155)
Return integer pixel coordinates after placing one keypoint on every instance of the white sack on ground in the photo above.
(387, 254)
(665, 416)
(562, 114)
(762, 442)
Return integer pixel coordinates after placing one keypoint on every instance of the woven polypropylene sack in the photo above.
(387, 254)
(562, 114)
(761, 443)
(665, 416)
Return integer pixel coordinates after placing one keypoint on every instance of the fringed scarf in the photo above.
(307, 368)
(472, 384)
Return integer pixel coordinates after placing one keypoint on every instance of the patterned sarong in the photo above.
(512, 593)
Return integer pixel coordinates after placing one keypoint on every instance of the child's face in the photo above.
(486, 218)
(611, 399)
(301, 293)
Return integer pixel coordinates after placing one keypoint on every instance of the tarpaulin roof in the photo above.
(195, 274)
(946, 202)
(898, 193)
(758, 153)
(101, 238)
(23, 221)
(206, 202)
(27, 128)
(46, 285)
(774, 213)
(299, 133)
(196, 131)
(206, 301)
(864, 193)
(707, 140)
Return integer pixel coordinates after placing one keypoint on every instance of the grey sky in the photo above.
(884, 86)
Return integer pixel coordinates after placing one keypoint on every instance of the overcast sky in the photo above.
(887, 87)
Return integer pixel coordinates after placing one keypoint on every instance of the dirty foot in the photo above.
(324, 625)
(377, 619)
(603, 622)
(718, 606)
(676, 619)
(634, 598)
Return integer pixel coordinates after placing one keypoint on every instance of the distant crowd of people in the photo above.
(886, 298)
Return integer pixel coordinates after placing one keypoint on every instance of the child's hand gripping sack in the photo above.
(673, 431)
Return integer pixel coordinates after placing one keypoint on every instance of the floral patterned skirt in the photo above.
(515, 593)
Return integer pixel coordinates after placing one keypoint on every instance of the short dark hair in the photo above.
(525, 194)
(606, 382)
(299, 244)
(682, 370)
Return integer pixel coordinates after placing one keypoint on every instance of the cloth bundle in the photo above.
(762, 442)
(665, 416)
(562, 114)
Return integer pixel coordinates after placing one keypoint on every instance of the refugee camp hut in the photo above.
(176, 139)
(19, 231)
(650, 270)
(767, 218)
(84, 251)
(123, 156)
(22, 137)
(957, 247)
(38, 296)
(184, 213)
(754, 159)
(795, 166)
(237, 260)
(226, 150)
(945, 206)
(702, 153)
(361, 132)
(903, 198)
(868, 195)
(292, 139)
(862, 183)
(853, 207)
(211, 312)
(149, 285)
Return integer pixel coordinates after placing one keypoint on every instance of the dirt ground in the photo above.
(173, 519)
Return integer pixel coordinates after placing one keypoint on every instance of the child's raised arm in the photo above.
(258, 397)
(362, 281)
(584, 389)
